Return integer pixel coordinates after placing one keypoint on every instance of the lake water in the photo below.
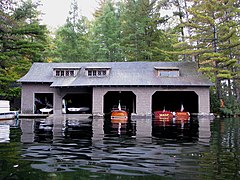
(68, 148)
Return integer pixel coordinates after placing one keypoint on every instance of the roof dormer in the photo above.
(167, 71)
(97, 71)
(65, 71)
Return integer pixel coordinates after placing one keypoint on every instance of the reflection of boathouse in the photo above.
(94, 88)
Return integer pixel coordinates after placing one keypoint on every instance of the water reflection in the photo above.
(194, 149)
(43, 131)
(184, 130)
(4, 133)
(119, 148)
(77, 129)
(5, 126)
(119, 128)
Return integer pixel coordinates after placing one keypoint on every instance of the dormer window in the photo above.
(167, 71)
(72, 73)
(94, 73)
(97, 71)
(57, 73)
(65, 72)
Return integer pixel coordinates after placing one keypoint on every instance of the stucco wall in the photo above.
(27, 98)
(144, 97)
(28, 91)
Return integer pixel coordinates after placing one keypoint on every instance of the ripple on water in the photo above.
(179, 152)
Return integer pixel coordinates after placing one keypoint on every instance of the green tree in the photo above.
(215, 40)
(180, 15)
(72, 41)
(133, 23)
(106, 33)
(22, 42)
(142, 37)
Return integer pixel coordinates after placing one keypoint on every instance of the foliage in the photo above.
(105, 39)
(142, 38)
(206, 32)
(71, 43)
(212, 40)
(231, 108)
(22, 42)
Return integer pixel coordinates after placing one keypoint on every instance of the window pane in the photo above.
(164, 73)
(62, 73)
(71, 73)
(89, 73)
(57, 73)
(173, 73)
(169, 73)
(67, 73)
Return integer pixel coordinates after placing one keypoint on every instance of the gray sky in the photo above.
(55, 12)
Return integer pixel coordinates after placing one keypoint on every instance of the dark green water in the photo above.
(139, 149)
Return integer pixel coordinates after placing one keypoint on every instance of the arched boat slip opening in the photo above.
(126, 98)
(172, 101)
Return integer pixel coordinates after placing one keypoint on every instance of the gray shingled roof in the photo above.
(121, 74)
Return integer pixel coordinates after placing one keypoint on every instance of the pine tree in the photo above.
(179, 17)
(215, 39)
(72, 42)
(22, 42)
(106, 34)
(133, 21)
(142, 37)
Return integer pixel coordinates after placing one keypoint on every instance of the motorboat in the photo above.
(45, 110)
(80, 109)
(182, 115)
(119, 114)
(5, 113)
(8, 115)
(163, 115)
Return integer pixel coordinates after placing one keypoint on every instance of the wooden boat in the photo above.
(119, 114)
(163, 115)
(182, 115)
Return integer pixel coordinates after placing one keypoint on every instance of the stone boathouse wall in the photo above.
(143, 97)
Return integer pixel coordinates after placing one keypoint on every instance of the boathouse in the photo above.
(95, 87)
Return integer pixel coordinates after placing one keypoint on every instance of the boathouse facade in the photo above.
(94, 88)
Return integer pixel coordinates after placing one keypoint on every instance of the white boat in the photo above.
(8, 115)
(81, 109)
(45, 110)
(5, 113)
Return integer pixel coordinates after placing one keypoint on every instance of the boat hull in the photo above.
(119, 116)
(163, 115)
(8, 115)
(182, 116)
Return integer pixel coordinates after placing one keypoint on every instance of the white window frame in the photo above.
(97, 72)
